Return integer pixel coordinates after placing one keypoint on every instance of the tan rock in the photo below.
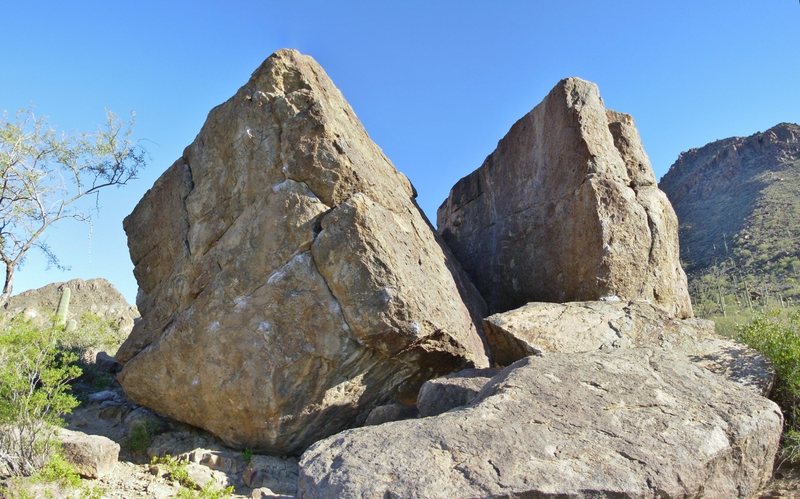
(292, 279)
(629, 423)
(603, 325)
(566, 209)
(92, 456)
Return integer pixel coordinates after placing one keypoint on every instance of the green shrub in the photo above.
(139, 438)
(208, 492)
(34, 394)
(92, 331)
(60, 471)
(778, 339)
(177, 472)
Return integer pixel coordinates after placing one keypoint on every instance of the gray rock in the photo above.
(566, 209)
(279, 474)
(629, 423)
(293, 280)
(176, 443)
(92, 456)
(605, 325)
(390, 412)
(454, 390)
(103, 396)
(263, 492)
(230, 462)
(204, 476)
(106, 363)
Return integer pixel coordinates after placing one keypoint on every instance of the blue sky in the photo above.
(436, 83)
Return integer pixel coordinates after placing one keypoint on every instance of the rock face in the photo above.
(567, 209)
(631, 423)
(590, 326)
(292, 280)
(95, 296)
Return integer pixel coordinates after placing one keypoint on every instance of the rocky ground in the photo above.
(105, 411)
(141, 434)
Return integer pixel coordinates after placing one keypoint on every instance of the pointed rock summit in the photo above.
(567, 209)
(288, 283)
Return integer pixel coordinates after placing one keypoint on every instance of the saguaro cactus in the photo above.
(63, 307)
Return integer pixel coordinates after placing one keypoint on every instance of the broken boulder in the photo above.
(567, 209)
(605, 325)
(292, 279)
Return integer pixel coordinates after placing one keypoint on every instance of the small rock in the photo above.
(103, 396)
(203, 476)
(454, 390)
(143, 416)
(390, 412)
(106, 363)
(276, 473)
(176, 443)
(158, 490)
(262, 492)
(230, 462)
(93, 456)
(113, 411)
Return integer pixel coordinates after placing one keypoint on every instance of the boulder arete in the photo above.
(567, 209)
(288, 283)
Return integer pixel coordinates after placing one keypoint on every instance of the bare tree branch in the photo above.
(44, 176)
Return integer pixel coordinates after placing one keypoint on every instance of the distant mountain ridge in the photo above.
(738, 205)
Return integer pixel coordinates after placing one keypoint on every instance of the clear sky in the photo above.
(436, 83)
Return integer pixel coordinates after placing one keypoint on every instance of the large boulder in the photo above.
(288, 282)
(630, 423)
(567, 209)
(536, 328)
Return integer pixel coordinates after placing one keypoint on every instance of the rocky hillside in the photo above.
(738, 203)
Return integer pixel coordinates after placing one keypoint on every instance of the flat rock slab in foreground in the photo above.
(603, 325)
(631, 423)
(288, 283)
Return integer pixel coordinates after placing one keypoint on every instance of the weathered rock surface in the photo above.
(292, 279)
(96, 296)
(453, 390)
(630, 423)
(603, 325)
(391, 412)
(567, 209)
(92, 456)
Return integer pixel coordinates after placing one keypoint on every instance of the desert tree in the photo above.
(46, 176)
